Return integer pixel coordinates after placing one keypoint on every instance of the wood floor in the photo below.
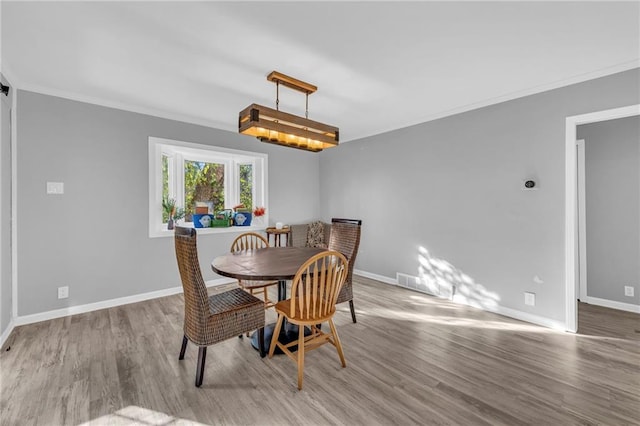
(411, 359)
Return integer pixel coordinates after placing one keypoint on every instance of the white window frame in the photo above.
(236, 182)
(178, 151)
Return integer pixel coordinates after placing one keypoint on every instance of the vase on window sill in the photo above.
(170, 223)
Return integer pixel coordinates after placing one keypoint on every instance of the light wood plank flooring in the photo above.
(411, 359)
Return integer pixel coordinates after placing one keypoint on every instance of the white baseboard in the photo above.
(531, 318)
(219, 281)
(629, 307)
(500, 310)
(6, 333)
(81, 309)
(376, 277)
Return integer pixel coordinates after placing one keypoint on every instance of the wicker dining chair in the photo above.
(345, 238)
(314, 292)
(253, 241)
(212, 319)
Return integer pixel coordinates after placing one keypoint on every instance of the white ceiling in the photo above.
(378, 65)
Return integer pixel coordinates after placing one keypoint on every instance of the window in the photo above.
(191, 174)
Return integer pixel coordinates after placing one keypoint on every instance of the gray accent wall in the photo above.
(94, 238)
(612, 174)
(6, 290)
(444, 200)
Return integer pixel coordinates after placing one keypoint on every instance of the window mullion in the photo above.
(230, 184)
(171, 172)
(179, 180)
(254, 197)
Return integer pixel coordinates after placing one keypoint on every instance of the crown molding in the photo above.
(153, 112)
(603, 72)
(232, 126)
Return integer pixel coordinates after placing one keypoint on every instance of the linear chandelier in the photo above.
(274, 126)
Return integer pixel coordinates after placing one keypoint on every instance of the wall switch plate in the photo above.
(55, 188)
(628, 290)
(529, 298)
(63, 292)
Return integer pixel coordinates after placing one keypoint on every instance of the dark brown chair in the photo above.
(314, 292)
(345, 238)
(212, 319)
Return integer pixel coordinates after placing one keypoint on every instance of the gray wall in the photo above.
(612, 169)
(5, 210)
(444, 199)
(94, 238)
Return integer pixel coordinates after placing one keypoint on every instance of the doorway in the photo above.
(609, 213)
(571, 210)
(6, 284)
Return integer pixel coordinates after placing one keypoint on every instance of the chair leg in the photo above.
(202, 356)
(336, 339)
(183, 348)
(353, 311)
(276, 333)
(300, 355)
(251, 291)
(263, 353)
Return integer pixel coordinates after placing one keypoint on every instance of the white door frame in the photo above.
(572, 123)
(581, 238)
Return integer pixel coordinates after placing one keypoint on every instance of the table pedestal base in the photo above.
(288, 334)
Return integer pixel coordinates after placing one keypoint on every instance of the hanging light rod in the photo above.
(291, 83)
(278, 127)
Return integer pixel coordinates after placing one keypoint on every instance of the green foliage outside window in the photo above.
(165, 186)
(246, 185)
(203, 182)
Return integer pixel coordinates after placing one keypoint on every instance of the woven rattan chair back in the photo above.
(196, 299)
(345, 238)
(212, 319)
(249, 241)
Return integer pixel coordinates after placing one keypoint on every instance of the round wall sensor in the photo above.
(529, 184)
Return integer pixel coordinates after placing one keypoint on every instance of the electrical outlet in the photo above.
(55, 188)
(63, 292)
(529, 298)
(628, 290)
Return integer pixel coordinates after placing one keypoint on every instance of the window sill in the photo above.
(204, 231)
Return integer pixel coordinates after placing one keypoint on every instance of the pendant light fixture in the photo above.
(274, 126)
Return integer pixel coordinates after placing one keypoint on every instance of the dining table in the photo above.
(268, 264)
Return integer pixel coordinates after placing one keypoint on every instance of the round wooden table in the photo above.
(269, 264)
